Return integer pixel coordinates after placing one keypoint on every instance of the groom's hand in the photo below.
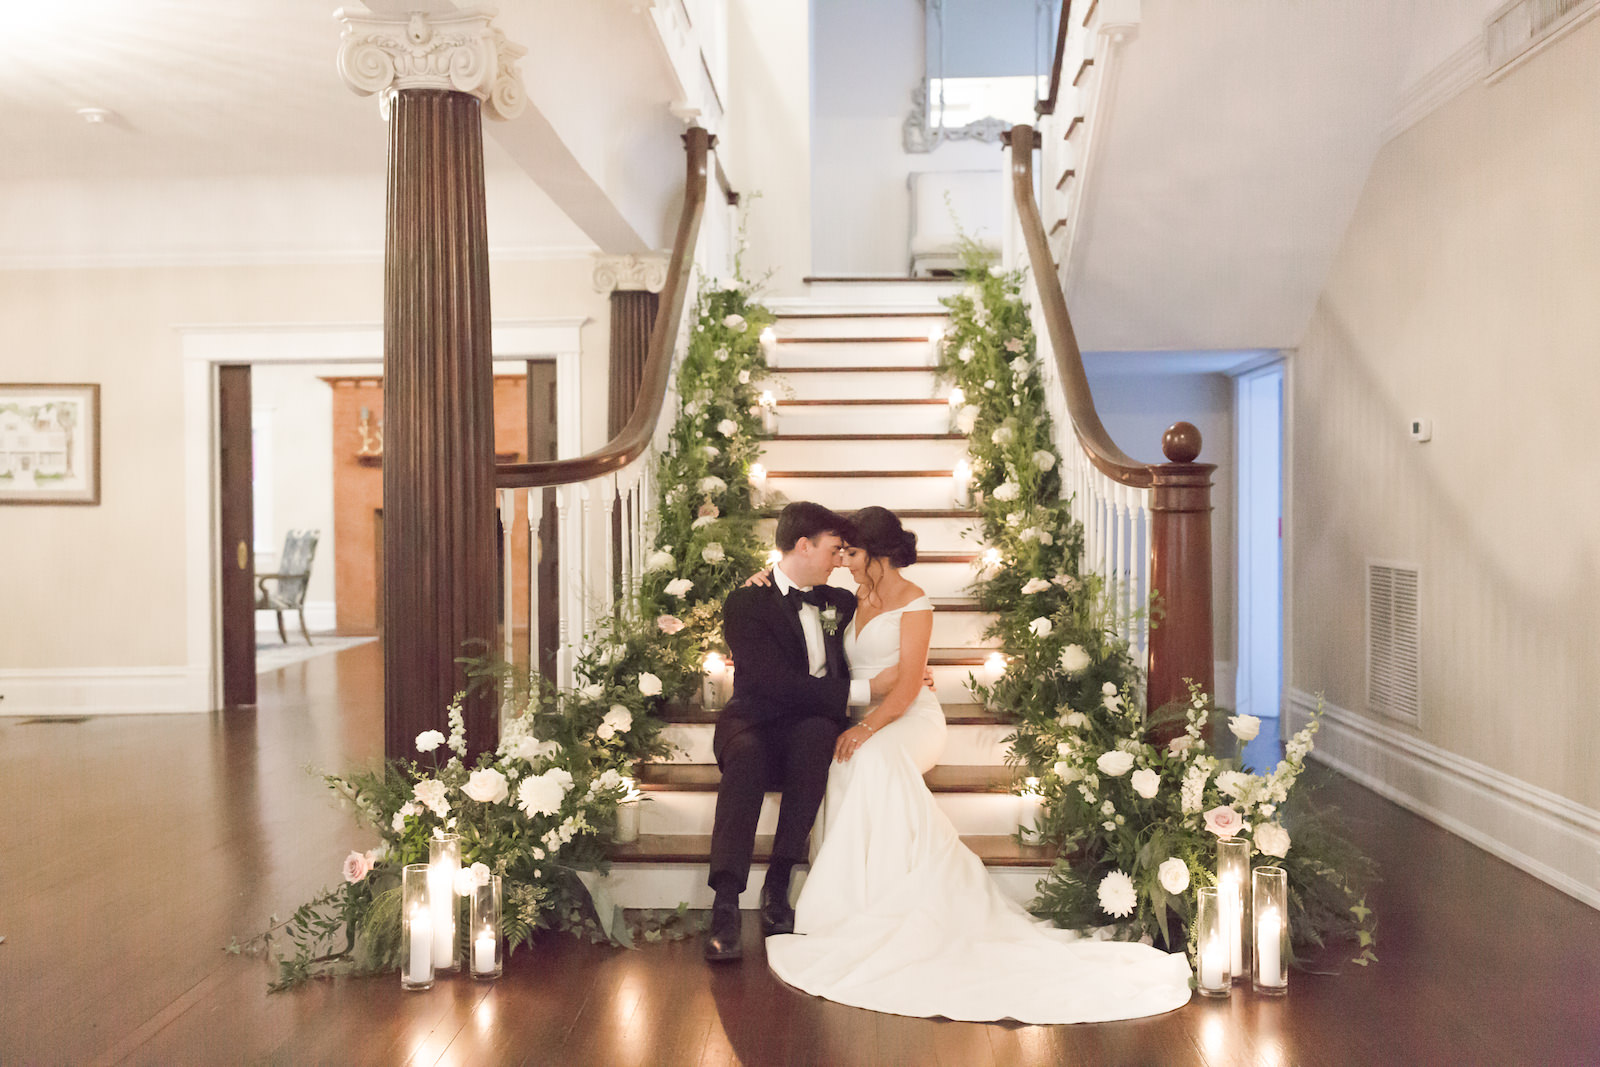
(884, 681)
(760, 578)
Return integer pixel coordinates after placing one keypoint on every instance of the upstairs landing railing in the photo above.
(603, 500)
(1147, 526)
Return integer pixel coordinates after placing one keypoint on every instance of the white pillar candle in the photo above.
(1233, 921)
(1030, 806)
(419, 965)
(758, 476)
(769, 411)
(483, 953)
(961, 483)
(1269, 934)
(936, 338)
(1213, 963)
(716, 679)
(442, 898)
(628, 821)
(994, 668)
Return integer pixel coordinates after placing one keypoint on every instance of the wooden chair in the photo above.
(290, 580)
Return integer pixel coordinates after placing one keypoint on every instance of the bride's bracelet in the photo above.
(867, 726)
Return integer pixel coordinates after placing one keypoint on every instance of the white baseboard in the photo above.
(1547, 835)
(100, 691)
(321, 617)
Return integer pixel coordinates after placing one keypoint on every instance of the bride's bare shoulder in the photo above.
(913, 593)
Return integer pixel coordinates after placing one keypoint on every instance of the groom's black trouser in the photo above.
(790, 756)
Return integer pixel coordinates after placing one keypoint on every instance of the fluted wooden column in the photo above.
(1181, 642)
(440, 594)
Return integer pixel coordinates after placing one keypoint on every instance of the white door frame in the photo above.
(1254, 464)
(204, 347)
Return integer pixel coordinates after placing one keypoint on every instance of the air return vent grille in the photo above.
(1393, 641)
(1522, 26)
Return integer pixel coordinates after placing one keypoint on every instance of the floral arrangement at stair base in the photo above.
(539, 809)
(1135, 824)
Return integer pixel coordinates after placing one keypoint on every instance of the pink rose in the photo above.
(356, 866)
(670, 624)
(1224, 821)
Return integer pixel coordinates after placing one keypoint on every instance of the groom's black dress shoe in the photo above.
(722, 941)
(777, 917)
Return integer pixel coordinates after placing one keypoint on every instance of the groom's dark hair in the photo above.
(805, 519)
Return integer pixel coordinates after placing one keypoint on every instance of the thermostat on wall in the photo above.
(1422, 429)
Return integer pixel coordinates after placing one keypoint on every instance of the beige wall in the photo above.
(1465, 292)
(104, 586)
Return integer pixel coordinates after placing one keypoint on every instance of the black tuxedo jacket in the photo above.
(772, 679)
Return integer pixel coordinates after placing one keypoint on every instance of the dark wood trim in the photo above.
(1047, 106)
(849, 341)
(895, 278)
(869, 437)
(635, 437)
(1083, 68)
(888, 401)
(1068, 173)
(859, 474)
(1057, 226)
(1072, 125)
(940, 313)
(1088, 12)
(728, 193)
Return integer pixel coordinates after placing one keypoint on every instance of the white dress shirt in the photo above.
(816, 651)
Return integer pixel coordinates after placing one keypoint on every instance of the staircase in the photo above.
(860, 420)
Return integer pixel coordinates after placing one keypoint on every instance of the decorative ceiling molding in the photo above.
(631, 272)
(460, 52)
(1438, 87)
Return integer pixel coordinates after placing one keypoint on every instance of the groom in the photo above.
(777, 732)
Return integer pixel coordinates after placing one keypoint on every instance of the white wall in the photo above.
(1464, 292)
(866, 60)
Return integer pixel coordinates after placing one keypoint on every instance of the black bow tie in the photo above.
(814, 596)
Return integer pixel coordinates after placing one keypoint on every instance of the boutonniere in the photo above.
(830, 620)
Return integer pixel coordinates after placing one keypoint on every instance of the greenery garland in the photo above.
(541, 808)
(1135, 824)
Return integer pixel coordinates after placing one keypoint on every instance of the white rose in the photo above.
(988, 383)
(1174, 875)
(712, 484)
(1245, 727)
(486, 786)
(605, 731)
(727, 427)
(1179, 745)
(691, 408)
(658, 560)
(735, 323)
(1030, 534)
(1075, 720)
(1145, 782)
(1044, 460)
(713, 553)
(649, 684)
(1074, 659)
(678, 587)
(1115, 764)
(1002, 435)
(966, 354)
(967, 418)
(744, 377)
(711, 451)
(619, 718)
(428, 740)
(1041, 627)
(1065, 581)
(1034, 585)
(1272, 839)
(1020, 367)
(480, 873)
(1007, 491)
(1046, 537)
(398, 823)
(1109, 689)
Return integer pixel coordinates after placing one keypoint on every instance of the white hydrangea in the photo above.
(965, 354)
(428, 740)
(1007, 491)
(659, 560)
(967, 418)
(430, 792)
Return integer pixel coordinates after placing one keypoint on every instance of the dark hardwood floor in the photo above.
(133, 848)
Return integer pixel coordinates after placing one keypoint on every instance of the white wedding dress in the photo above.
(897, 915)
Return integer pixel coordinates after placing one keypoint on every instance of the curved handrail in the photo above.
(1047, 106)
(634, 437)
(1091, 432)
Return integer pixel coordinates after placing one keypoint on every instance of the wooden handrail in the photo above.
(1097, 444)
(1047, 106)
(634, 437)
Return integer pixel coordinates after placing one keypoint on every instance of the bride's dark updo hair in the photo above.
(879, 534)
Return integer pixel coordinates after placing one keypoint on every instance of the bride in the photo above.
(896, 914)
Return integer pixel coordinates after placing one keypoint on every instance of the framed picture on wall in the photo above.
(49, 444)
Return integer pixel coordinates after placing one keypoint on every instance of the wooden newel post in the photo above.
(439, 73)
(1180, 572)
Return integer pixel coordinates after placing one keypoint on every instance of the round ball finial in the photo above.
(1181, 442)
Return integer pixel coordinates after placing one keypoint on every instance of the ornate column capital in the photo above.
(647, 272)
(461, 52)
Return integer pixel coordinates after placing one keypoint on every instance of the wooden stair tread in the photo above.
(955, 603)
(954, 715)
(864, 369)
(995, 850)
(860, 474)
(849, 341)
(907, 513)
(940, 313)
(958, 657)
(891, 278)
(895, 401)
(945, 778)
(864, 437)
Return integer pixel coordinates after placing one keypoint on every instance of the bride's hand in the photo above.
(851, 740)
(760, 578)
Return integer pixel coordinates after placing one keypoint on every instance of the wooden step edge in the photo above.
(1083, 68)
(939, 313)
(904, 513)
(1068, 173)
(1073, 125)
(881, 402)
(851, 340)
(864, 437)
(995, 850)
(893, 279)
(944, 778)
(861, 474)
(873, 369)
(954, 715)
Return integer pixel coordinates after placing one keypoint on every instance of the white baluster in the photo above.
(564, 583)
(508, 514)
(608, 500)
(586, 537)
(535, 555)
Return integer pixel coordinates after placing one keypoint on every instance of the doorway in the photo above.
(1258, 412)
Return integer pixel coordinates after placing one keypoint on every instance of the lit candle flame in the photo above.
(957, 397)
(715, 664)
(768, 336)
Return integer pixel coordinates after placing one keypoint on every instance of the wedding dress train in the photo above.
(897, 915)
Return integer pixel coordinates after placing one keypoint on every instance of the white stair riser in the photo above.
(863, 418)
(781, 455)
(961, 629)
(845, 384)
(666, 885)
(933, 535)
(965, 745)
(881, 295)
(849, 494)
(843, 326)
(844, 354)
(694, 811)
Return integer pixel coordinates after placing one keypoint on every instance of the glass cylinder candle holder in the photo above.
(1213, 966)
(628, 815)
(484, 924)
(444, 862)
(1030, 807)
(1269, 904)
(416, 928)
(1233, 879)
(714, 688)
